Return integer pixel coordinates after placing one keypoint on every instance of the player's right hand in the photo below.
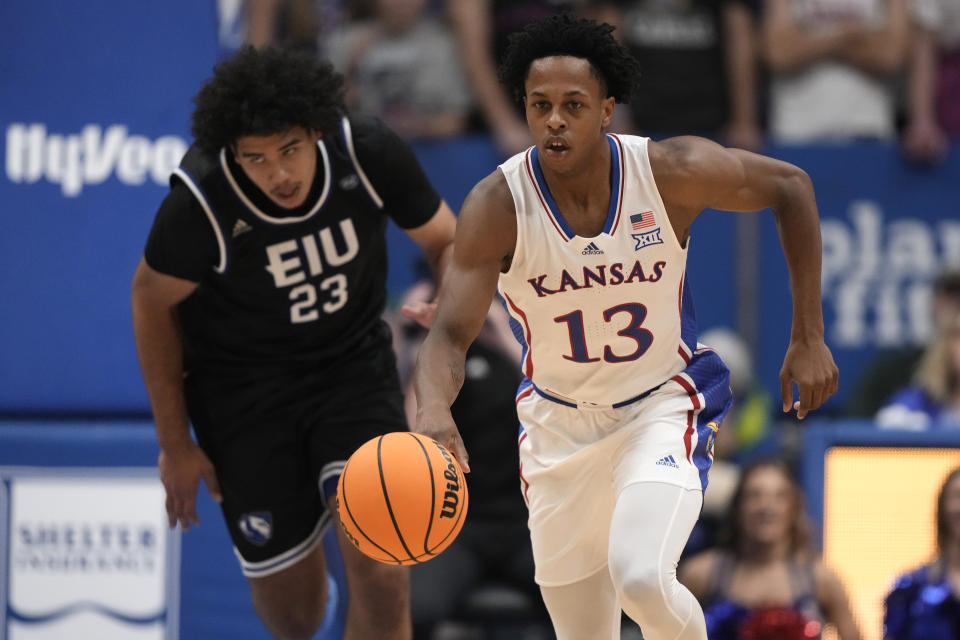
(440, 426)
(180, 473)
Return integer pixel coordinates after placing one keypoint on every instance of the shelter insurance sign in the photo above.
(86, 553)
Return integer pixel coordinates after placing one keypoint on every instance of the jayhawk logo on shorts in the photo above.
(714, 429)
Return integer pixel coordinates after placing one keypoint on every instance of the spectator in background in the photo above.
(832, 63)
(891, 371)
(764, 580)
(934, 397)
(286, 23)
(934, 80)
(699, 68)
(924, 603)
(482, 28)
(402, 66)
(493, 548)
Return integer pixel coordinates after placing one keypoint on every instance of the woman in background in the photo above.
(764, 581)
(923, 604)
(933, 400)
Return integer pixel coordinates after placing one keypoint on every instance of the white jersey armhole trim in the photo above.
(648, 168)
(519, 247)
(221, 245)
(348, 139)
(263, 216)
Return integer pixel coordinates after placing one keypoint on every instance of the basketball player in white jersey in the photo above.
(584, 237)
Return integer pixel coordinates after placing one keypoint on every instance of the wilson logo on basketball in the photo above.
(402, 498)
(451, 495)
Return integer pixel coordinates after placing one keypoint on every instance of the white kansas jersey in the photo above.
(601, 320)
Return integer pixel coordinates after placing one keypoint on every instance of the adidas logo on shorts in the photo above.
(668, 461)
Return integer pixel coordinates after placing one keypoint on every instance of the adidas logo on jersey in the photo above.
(668, 461)
(241, 226)
(592, 250)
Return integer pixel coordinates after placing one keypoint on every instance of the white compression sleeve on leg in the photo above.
(584, 610)
(651, 524)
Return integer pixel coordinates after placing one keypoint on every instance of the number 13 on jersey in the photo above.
(633, 312)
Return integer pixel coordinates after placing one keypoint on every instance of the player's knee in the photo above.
(640, 584)
(386, 591)
(293, 624)
(296, 623)
(292, 618)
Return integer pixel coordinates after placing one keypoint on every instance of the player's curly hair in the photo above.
(263, 92)
(568, 35)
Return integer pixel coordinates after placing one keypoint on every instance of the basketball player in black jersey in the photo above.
(256, 311)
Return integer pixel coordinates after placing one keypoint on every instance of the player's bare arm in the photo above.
(485, 238)
(154, 299)
(435, 239)
(693, 174)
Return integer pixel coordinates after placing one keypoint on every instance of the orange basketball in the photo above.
(402, 498)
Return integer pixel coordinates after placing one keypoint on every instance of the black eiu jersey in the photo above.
(288, 287)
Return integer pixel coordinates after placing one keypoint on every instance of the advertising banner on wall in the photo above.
(888, 228)
(94, 116)
(86, 553)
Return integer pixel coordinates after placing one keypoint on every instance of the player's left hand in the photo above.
(810, 365)
(423, 312)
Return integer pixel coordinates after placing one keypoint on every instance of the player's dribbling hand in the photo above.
(810, 365)
(439, 425)
(180, 473)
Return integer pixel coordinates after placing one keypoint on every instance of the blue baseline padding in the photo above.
(214, 596)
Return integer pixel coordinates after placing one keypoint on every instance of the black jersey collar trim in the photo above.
(225, 166)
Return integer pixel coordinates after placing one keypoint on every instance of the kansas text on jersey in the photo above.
(602, 320)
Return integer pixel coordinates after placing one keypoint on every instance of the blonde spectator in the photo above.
(934, 398)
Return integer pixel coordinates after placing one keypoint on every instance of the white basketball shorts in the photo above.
(575, 461)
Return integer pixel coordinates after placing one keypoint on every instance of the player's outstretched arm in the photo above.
(154, 297)
(693, 174)
(484, 242)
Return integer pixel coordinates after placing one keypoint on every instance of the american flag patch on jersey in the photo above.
(642, 220)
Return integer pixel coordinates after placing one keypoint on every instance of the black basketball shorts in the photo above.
(279, 443)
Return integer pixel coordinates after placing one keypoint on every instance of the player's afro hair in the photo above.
(263, 92)
(568, 35)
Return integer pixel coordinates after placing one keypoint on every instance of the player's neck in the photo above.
(583, 192)
(579, 180)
